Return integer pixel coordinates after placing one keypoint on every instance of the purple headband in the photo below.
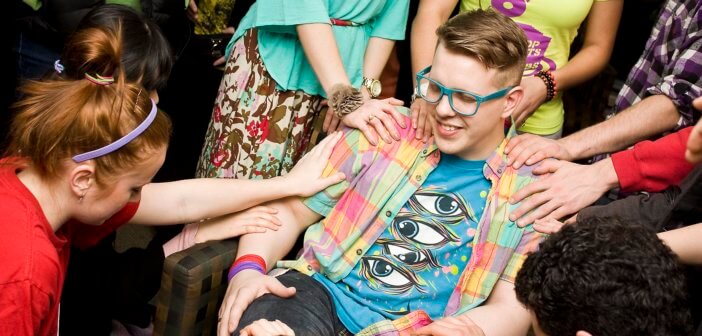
(121, 142)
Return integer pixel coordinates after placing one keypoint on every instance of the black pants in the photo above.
(310, 312)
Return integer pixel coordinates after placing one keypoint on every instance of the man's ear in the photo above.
(82, 178)
(511, 101)
(583, 333)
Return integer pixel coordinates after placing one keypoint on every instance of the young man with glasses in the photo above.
(416, 239)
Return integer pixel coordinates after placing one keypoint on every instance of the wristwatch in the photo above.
(373, 86)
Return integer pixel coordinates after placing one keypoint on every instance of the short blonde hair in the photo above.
(492, 38)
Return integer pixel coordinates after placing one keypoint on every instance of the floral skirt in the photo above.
(256, 131)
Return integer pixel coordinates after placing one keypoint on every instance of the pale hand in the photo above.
(534, 96)
(694, 143)
(460, 325)
(563, 188)
(530, 149)
(421, 119)
(245, 287)
(253, 220)
(306, 179)
(267, 328)
(377, 118)
(191, 11)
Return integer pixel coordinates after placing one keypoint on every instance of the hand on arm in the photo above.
(322, 52)
(192, 200)
(267, 328)
(562, 189)
(248, 285)
(651, 116)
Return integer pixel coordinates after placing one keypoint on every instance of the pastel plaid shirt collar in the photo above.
(379, 181)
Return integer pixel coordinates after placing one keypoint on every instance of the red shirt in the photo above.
(653, 165)
(34, 259)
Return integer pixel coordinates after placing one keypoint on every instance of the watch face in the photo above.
(376, 88)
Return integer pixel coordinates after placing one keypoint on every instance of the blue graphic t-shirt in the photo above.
(415, 264)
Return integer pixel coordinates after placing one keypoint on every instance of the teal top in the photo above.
(280, 48)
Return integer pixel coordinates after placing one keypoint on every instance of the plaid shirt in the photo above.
(379, 181)
(671, 64)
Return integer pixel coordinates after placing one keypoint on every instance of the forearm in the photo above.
(502, 302)
(651, 116)
(423, 40)
(191, 200)
(430, 15)
(320, 48)
(274, 245)
(586, 64)
(685, 242)
(377, 55)
(601, 30)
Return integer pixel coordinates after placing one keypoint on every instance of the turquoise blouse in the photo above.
(280, 48)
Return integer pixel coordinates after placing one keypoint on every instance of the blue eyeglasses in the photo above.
(462, 102)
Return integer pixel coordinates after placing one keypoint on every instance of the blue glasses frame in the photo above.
(449, 93)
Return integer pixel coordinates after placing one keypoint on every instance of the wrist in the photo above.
(344, 99)
(247, 262)
(284, 184)
(607, 174)
(550, 83)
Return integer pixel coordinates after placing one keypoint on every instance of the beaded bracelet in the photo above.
(550, 82)
(247, 262)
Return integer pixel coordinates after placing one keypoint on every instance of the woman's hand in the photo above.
(254, 220)
(534, 96)
(267, 328)
(306, 177)
(244, 288)
(375, 117)
(421, 119)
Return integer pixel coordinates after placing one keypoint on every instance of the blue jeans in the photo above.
(309, 312)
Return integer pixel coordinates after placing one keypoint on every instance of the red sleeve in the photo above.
(653, 165)
(85, 236)
(23, 309)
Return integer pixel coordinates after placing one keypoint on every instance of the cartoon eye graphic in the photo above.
(417, 260)
(443, 205)
(382, 273)
(414, 230)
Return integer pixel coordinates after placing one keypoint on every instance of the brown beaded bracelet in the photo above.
(550, 81)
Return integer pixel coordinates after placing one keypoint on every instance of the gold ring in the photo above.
(371, 117)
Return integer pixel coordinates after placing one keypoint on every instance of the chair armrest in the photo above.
(193, 285)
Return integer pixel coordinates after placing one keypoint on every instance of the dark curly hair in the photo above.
(607, 278)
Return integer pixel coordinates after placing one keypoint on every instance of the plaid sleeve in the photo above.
(346, 158)
(681, 80)
(529, 243)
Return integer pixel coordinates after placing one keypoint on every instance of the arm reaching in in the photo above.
(192, 200)
(248, 285)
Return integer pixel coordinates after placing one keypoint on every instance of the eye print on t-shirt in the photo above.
(425, 228)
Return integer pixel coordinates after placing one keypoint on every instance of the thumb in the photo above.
(279, 290)
(334, 179)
